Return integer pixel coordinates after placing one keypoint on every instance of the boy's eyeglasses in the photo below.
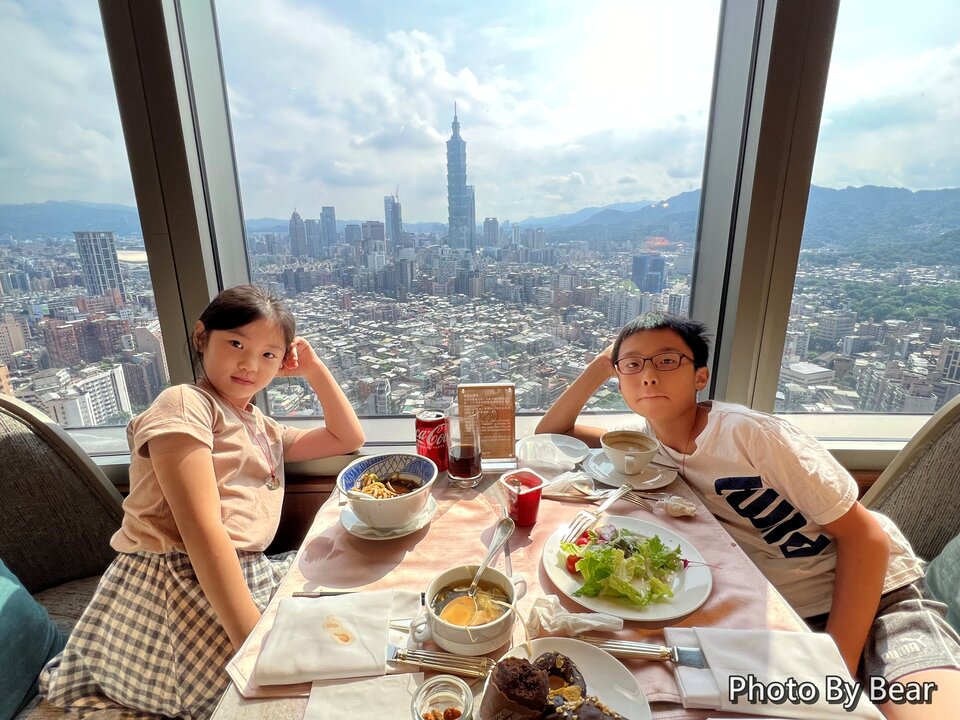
(662, 362)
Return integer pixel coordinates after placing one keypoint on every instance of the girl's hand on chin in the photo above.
(299, 360)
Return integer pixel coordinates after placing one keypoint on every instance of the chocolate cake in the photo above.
(588, 709)
(517, 691)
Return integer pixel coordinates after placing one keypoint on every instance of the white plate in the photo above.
(550, 448)
(690, 589)
(598, 466)
(355, 526)
(605, 676)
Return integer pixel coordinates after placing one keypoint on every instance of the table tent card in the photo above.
(496, 403)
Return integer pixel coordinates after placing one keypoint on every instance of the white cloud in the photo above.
(563, 105)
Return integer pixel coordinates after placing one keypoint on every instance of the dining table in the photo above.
(332, 559)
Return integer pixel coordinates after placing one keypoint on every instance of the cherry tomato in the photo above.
(572, 563)
(583, 539)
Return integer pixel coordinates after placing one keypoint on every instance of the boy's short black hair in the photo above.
(695, 334)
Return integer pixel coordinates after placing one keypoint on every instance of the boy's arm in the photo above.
(862, 551)
(562, 417)
(184, 468)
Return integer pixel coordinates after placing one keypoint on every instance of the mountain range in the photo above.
(847, 219)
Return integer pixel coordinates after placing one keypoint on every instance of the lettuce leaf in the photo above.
(626, 565)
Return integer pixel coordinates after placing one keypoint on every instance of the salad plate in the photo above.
(598, 466)
(355, 526)
(605, 676)
(691, 586)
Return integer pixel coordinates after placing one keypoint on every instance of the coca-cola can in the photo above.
(432, 437)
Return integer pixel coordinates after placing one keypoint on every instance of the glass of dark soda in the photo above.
(463, 448)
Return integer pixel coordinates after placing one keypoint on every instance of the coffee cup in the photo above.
(473, 639)
(630, 451)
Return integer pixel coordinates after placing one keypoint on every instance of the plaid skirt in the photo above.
(149, 644)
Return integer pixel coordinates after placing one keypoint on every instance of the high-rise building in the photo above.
(649, 272)
(98, 257)
(11, 338)
(353, 236)
(461, 200)
(298, 235)
(949, 361)
(328, 227)
(374, 236)
(314, 237)
(491, 232)
(393, 223)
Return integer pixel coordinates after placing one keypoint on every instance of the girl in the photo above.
(206, 489)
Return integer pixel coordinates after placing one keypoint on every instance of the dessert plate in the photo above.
(353, 525)
(605, 676)
(598, 466)
(691, 588)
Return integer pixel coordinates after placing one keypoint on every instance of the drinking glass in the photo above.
(463, 448)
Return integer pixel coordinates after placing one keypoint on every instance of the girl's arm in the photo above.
(862, 551)
(562, 417)
(341, 432)
(184, 468)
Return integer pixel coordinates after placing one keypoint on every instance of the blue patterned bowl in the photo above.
(388, 513)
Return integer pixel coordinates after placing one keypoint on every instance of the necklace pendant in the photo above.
(273, 483)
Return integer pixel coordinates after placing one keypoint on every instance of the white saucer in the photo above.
(354, 526)
(598, 466)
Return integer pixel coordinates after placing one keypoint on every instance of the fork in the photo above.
(586, 519)
(639, 501)
(475, 667)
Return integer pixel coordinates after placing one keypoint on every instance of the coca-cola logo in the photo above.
(433, 436)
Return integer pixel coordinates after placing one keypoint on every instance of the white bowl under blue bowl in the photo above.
(395, 512)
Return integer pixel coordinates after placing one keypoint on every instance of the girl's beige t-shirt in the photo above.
(249, 509)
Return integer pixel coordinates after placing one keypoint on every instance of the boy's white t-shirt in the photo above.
(773, 487)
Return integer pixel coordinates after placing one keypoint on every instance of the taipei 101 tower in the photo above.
(461, 202)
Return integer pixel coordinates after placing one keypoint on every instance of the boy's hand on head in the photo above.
(605, 360)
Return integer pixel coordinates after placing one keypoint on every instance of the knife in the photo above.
(630, 649)
(334, 593)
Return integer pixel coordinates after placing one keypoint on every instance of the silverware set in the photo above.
(474, 667)
(633, 650)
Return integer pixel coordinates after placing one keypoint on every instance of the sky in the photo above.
(563, 104)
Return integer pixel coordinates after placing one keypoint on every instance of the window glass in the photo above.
(467, 192)
(876, 306)
(79, 336)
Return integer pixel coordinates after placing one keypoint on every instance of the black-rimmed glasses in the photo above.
(662, 362)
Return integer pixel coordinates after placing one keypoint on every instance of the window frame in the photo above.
(769, 83)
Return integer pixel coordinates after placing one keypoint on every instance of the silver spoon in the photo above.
(501, 533)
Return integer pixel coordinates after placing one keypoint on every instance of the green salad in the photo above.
(619, 563)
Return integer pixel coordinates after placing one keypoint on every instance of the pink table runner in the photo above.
(332, 559)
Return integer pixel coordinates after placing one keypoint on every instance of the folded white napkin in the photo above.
(773, 658)
(344, 636)
(551, 615)
(562, 485)
(384, 698)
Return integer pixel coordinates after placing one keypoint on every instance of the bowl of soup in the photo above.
(389, 490)
(469, 626)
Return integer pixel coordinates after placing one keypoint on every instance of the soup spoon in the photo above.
(501, 533)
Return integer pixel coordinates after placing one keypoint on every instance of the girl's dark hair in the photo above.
(243, 304)
(694, 333)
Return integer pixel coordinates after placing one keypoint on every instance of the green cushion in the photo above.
(28, 638)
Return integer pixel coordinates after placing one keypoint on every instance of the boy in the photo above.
(786, 501)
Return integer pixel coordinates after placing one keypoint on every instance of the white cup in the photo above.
(476, 639)
(630, 451)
